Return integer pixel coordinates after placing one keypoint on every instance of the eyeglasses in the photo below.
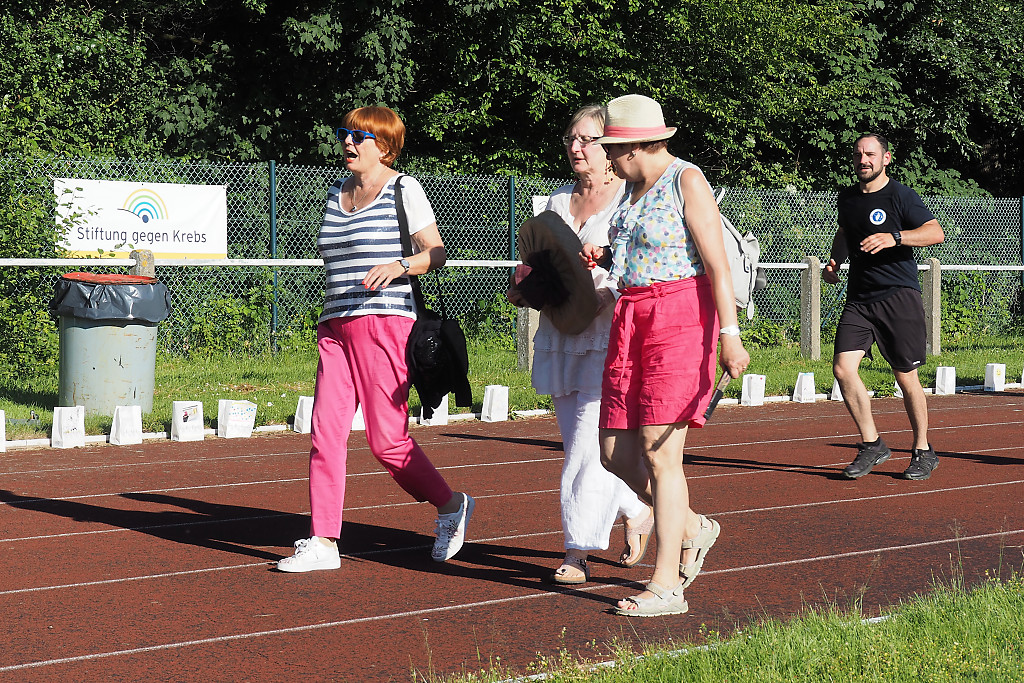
(357, 135)
(584, 140)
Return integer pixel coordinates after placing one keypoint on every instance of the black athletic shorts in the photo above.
(896, 324)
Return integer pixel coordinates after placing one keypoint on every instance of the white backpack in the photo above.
(743, 251)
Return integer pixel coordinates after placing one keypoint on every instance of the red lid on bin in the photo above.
(111, 278)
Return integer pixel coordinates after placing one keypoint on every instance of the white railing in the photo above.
(810, 287)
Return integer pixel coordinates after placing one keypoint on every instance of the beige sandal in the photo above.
(573, 572)
(643, 533)
(664, 602)
(709, 531)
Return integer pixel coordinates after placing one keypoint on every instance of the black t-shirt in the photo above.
(895, 207)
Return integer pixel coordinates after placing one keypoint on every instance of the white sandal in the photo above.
(709, 531)
(664, 602)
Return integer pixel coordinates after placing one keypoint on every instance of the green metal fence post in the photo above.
(273, 250)
(511, 218)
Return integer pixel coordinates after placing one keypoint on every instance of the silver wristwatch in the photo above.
(404, 263)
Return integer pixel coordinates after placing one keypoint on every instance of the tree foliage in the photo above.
(767, 92)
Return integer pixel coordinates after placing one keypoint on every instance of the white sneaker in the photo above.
(451, 530)
(311, 554)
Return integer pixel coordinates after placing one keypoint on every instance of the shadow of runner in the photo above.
(827, 471)
(980, 458)
(547, 444)
(228, 528)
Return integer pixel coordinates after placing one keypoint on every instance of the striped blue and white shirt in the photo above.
(351, 243)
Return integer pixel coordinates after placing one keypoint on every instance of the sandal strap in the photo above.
(659, 590)
(644, 528)
(691, 543)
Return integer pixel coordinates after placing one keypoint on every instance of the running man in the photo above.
(880, 220)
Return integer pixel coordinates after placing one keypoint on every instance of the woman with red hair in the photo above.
(362, 335)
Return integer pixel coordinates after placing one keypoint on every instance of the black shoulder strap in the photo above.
(403, 228)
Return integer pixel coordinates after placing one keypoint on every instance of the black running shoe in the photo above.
(867, 457)
(922, 463)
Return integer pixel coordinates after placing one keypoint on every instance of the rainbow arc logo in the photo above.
(146, 204)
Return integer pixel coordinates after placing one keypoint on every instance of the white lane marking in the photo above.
(231, 520)
(863, 499)
(378, 473)
(441, 442)
(129, 579)
(375, 473)
(450, 608)
(873, 551)
(153, 463)
(447, 441)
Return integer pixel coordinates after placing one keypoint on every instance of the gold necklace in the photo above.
(355, 201)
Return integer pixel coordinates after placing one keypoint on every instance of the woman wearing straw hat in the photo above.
(675, 311)
(568, 366)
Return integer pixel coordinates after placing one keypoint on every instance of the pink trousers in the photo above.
(362, 363)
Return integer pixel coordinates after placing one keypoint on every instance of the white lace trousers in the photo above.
(592, 497)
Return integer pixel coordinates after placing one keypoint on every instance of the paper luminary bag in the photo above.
(440, 416)
(495, 408)
(126, 429)
(837, 392)
(753, 390)
(68, 427)
(358, 423)
(235, 419)
(804, 390)
(945, 380)
(303, 423)
(187, 421)
(995, 377)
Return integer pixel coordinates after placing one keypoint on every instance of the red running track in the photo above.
(155, 562)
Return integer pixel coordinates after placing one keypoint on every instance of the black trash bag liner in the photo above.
(91, 296)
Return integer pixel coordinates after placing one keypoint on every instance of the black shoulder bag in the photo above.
(436, 353)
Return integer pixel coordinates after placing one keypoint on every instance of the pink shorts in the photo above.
(662, 353)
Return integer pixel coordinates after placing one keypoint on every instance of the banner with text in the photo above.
(110, 218)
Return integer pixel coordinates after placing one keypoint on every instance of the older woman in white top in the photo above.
(568, 367)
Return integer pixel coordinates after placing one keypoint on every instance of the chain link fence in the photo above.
(244, 307)
(794, 225)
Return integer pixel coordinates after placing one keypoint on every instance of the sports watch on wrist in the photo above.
(404, 263)
(898, 236)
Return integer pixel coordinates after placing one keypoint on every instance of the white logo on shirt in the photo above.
(877, 217)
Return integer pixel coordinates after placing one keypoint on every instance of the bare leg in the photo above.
(916, 405)
(660, 478)
(621, 455)
(845, 367)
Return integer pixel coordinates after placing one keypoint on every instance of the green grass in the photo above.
(275, 382)
(948, 634)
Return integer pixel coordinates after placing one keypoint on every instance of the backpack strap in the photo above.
(677, 188)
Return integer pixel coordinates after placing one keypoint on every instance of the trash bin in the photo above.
(107, 327)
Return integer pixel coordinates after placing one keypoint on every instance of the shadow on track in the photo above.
(547, 444)
(230, 528)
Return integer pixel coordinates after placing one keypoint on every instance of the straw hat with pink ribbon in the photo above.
(634, 118)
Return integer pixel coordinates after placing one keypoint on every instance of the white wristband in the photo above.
(731, 330)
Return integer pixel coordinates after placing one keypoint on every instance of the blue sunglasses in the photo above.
(357, 135)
